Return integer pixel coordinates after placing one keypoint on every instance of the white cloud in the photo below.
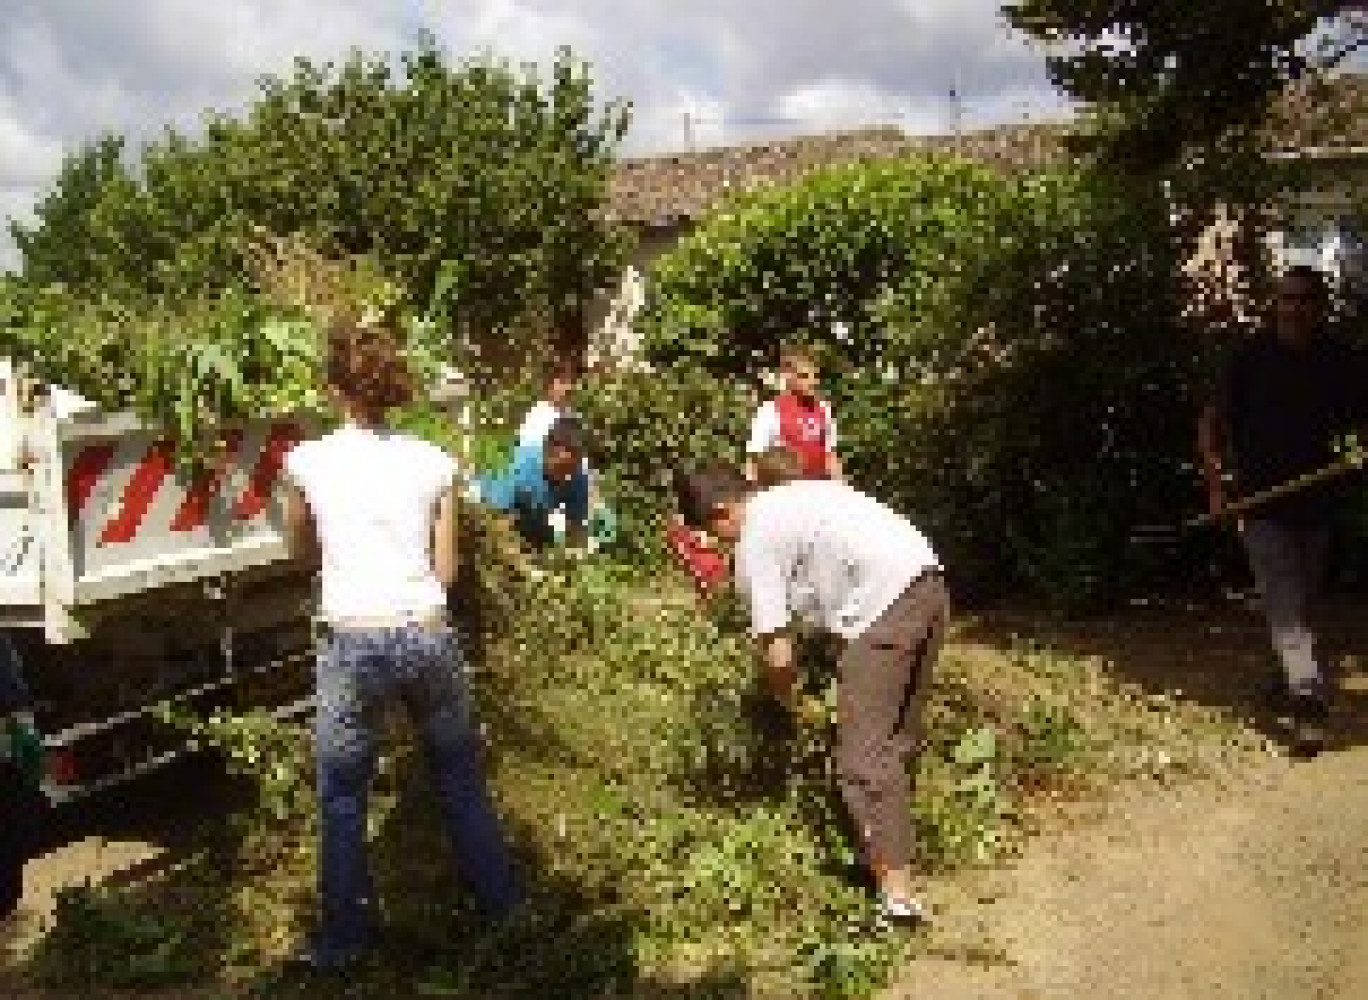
(846, 104)
(70, 69)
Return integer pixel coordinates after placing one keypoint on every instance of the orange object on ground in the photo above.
(706, 565)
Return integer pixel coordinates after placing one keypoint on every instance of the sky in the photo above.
(698, 72)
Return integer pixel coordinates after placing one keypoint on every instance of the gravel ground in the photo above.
(1255, 890)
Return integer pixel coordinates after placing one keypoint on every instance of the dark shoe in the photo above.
(855, 874)
(1310, 716)
(1276, 695)
(317, 958)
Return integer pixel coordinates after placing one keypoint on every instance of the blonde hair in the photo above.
(791, 354)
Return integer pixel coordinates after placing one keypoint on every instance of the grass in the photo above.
(680, 841)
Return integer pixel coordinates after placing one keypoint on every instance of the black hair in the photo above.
(1313, 276)
(568, 433)
(700, 493)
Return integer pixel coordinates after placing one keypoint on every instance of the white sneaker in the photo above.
(901, 910)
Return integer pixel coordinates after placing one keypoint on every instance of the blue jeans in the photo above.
(357, 674)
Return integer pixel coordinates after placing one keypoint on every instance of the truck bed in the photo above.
(106, 515)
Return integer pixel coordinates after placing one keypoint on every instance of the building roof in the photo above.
(664, 190)
(1324, 118)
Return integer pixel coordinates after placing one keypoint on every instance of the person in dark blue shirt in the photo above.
(1282, 400)
(19, 798)
(542, 478)
(14, 696)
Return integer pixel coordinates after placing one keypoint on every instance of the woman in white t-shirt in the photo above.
(377, 508)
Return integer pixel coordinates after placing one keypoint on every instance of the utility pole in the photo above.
(688, 131)
(956, 112)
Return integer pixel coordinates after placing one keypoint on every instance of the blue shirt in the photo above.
(14, 696)
(525, 484)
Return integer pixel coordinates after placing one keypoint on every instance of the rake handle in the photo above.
(1330, 471)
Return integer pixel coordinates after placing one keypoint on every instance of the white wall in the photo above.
(614, 340)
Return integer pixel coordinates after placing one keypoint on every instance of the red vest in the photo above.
(803, 428)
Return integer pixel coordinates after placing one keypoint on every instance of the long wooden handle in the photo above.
(1337, 468)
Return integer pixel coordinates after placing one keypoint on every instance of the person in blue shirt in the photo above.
(542, 478)
(20, 800)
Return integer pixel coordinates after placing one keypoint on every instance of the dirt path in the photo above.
(1260, 890)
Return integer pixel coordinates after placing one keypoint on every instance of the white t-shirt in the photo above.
(764, 433)
(537, 423)
(825, 551)
(373, 496)
(64, 402)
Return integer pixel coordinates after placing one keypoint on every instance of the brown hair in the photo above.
(776, 465)
(699, 493)
(366, 367)
(562, 369)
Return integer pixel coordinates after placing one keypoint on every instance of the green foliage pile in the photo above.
(677, 831)
(1016, 373)
(196, 366)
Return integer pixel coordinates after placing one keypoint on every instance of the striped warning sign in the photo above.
(137, 483)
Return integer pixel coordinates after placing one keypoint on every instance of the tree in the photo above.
(476, 185)
(1169, 75)
(57, 248)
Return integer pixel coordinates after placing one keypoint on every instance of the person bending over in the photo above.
(542, 478)
(827, 552)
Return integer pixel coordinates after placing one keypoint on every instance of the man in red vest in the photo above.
(798, 420)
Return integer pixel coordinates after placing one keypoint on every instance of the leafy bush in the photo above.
(792, 262)
(644, 424)
(1017, 377)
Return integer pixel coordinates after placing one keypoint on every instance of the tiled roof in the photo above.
(1334, 116)
(662, 190)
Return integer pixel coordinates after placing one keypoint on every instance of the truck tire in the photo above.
(21, 833)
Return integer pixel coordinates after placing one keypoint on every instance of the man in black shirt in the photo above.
(1281, 401)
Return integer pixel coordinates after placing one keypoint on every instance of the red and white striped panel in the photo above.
(126, 500)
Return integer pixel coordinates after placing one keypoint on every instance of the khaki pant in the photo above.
(1289, 566)
(883, 675)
